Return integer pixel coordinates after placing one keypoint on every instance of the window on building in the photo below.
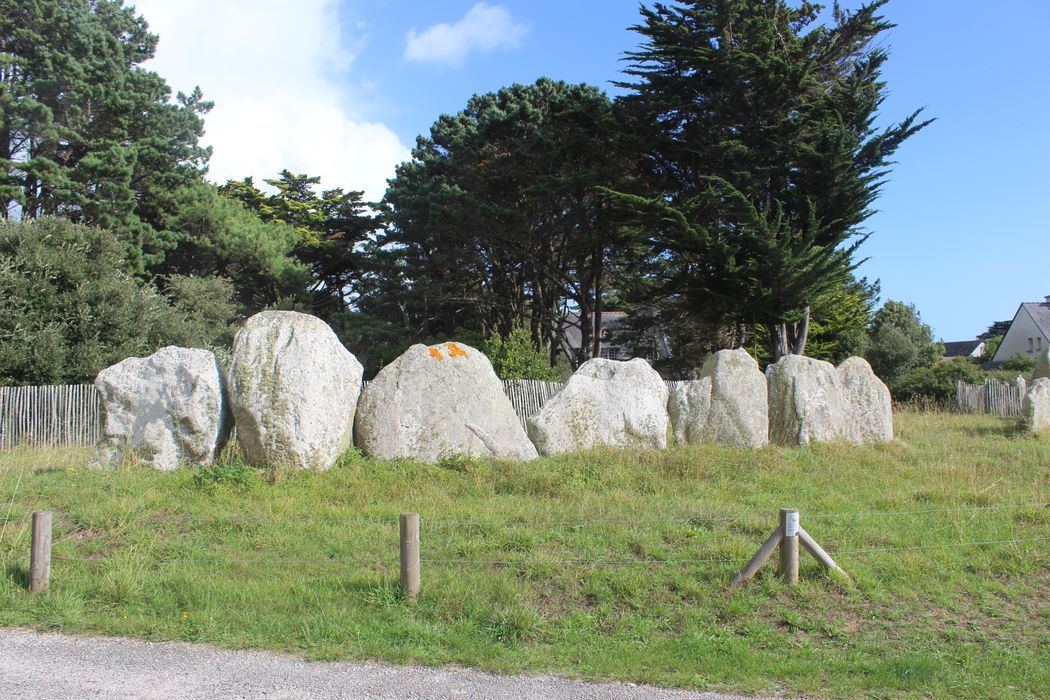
(1031, 344)
(607, 353)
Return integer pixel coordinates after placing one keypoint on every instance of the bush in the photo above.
(937, 382)
(1019, 363)
(900, 342)
(515, 356)
(68, 307)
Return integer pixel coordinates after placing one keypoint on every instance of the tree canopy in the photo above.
(498, 215)
(86, 132)
(721, 202)
(764, 154)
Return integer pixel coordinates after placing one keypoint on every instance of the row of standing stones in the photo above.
(297, 398)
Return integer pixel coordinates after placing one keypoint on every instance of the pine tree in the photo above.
(765, 157)
(86, 133)
(498, 216)
(331, 228)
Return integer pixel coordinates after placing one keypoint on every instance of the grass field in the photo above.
(601, 565)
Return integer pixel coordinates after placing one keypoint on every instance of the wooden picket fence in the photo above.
(71, 415)
(527, 396)
(993, 397)
(64, 415)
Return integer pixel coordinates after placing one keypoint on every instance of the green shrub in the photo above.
(68, 307)
(516, 357)
(899, 342)
(937, 381)
(1019, 363)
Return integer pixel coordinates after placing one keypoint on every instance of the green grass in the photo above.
(307, 562)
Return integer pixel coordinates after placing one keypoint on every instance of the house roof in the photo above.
(1040, 313)
(961, 348)
(571, 325)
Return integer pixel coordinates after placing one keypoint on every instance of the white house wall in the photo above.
(1016, 339)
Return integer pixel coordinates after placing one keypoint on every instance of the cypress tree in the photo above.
(765, 158)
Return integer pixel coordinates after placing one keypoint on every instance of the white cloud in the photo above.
(484, 28)
(273, 69)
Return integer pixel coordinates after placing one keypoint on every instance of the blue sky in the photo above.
(342, 88)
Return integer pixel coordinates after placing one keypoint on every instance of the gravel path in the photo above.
(35, 665)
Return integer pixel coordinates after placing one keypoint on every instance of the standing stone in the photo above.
(167, 409)
(739, 413)
(688, 404)
(606, 402)
(869, 406)
(439, 401)
(806, 402)
(294, 391)
(1042, 365)
(1035, 411)
(726, 406)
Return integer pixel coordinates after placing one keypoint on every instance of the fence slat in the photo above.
(993, 397)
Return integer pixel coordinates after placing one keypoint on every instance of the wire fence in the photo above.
(436, 537)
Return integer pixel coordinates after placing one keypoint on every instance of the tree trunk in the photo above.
(598, 280)
(801, 334)
(789, 338)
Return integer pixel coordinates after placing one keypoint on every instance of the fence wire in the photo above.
(525, 561)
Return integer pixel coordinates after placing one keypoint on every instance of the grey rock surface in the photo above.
(739, 414)
(688, 404)
(869, 406)
(36, 666)
(293, 388)
(604, 403)
(1035, 410)
(727, 405)
(167, 410)
(439, 401)
(806, 402)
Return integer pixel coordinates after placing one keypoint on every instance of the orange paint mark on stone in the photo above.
(437, 354)
(454, 350)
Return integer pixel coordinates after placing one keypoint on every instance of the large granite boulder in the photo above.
(1042, 365)
(739, 413)
(688, 404)
(869, 406)
(166, 410)
(806, 401)
(727, 405)
(293, 389)
(439, 401)
(1035, 410)
(606, 402)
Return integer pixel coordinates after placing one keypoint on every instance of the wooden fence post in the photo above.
(410, 555)
(789, 534)
(789, 546)
(40, 554)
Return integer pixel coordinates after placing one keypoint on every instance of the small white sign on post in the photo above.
(791, 524)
